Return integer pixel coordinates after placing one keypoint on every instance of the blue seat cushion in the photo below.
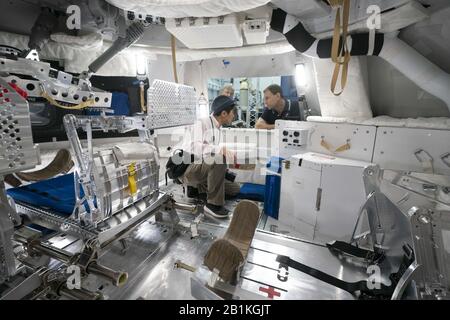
(252, 191)
(56, 194)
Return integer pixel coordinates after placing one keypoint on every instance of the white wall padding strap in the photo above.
(187, 8)
(354, 102)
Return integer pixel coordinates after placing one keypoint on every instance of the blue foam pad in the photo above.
(252, 191)
(119, 103)
(57, 194)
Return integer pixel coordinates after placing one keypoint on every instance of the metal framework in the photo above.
(104, 181)
(404, 209)
(17, 152)
(58, 85)
(114, 194)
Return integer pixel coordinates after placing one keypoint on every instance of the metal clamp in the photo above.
(86, 256)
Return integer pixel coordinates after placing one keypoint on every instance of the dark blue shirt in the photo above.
(291, 112)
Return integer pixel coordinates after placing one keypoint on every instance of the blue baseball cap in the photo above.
(221, 103)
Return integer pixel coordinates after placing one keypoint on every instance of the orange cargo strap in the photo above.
(329, 148)
(340, 55)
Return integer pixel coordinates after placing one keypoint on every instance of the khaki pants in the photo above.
(210, 179)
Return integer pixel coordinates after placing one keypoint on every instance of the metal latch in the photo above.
(178, 22)
(429, 187)
(446, 159)
(425, 159)
(318, 198)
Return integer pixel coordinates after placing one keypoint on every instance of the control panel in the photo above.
(292, 140)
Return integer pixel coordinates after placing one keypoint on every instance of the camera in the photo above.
(230, 176)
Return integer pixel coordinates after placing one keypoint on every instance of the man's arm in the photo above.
(262, 124)
(197, 141)
(200, 134)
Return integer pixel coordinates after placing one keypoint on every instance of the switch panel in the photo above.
(292, 140)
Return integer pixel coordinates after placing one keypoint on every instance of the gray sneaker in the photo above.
(216, 211)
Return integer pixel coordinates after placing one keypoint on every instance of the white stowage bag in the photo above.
(89, 41)
(187, 8)
(127, 153)
(78, 52)
(354, 102)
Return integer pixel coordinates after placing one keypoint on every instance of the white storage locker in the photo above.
(321, 196)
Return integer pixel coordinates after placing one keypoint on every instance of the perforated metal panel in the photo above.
(171, 104)
(17, 151)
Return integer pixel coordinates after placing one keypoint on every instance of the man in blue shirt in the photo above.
(277, 107)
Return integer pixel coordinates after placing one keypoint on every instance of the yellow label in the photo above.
(131, 179)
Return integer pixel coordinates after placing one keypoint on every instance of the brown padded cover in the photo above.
(228, 254)
(62, 163)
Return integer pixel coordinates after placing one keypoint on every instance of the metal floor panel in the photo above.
(153, 250)
(150, 264)
(154, 247)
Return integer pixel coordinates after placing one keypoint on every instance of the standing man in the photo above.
(207, 173)
(277, 107)
(227, 90)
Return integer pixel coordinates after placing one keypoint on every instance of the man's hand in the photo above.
(262, 124)
(229, 155)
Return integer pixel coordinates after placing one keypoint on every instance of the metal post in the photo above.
(7, 260)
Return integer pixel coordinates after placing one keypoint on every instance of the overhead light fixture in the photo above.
(203, 107)
(300, 75)
(141, 67)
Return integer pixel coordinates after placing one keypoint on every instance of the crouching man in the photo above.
(207, 172)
